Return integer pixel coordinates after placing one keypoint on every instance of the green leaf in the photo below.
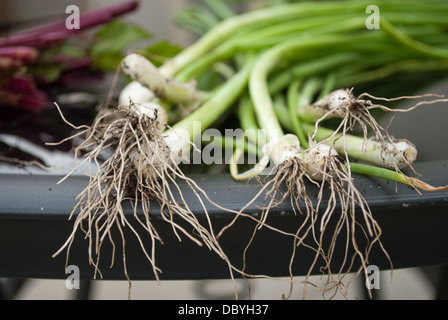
(110, 42)
(116, 36)
(108, 61)
(47, 73)
(68, 49)
(160, 51)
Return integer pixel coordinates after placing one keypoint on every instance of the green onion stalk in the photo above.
(268, 17)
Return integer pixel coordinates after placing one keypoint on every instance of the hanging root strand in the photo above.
(339, 203)
(138, 169)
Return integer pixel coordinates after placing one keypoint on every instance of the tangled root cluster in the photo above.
(382, 149)
(138, 168)
(346, 211)
(354, 110)
(339, 216)
(339, 207)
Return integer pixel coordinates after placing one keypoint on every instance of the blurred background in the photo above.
(155, 16)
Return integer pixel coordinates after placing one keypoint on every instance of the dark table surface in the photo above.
(34, 223)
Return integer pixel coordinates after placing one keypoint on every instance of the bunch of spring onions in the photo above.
(293, 71)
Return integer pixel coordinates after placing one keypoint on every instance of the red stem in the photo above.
(57, 31)
(23, 54)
